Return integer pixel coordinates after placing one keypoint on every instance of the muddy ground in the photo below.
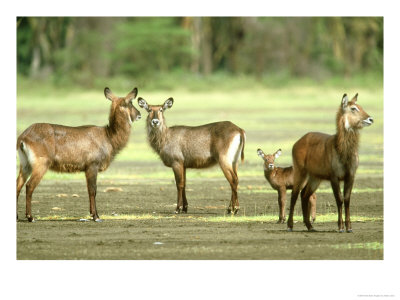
(157, 233)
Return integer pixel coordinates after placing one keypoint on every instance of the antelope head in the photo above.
(269, 159)
(124, 105)
(354, 116)
(156, 112)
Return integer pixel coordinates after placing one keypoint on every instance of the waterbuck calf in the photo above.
(318, 156)
(88, 149)
(182, 147)
(281, 179)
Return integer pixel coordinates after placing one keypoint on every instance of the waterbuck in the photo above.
(182, 147)
(281, 179)
(88, 149)
(318, 156)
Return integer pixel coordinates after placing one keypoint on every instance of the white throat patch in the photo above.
(346, 123)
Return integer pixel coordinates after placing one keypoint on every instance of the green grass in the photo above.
(217, 81)
(104, 217)
(272, 116)
(322, 218)
(272, 218)
(368, 246)
(267, 190)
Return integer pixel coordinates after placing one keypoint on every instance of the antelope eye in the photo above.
(160, 110)
(354, 109)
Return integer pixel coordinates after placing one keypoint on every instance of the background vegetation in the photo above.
(168, 52)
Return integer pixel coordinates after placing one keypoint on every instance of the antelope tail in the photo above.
(243, 141)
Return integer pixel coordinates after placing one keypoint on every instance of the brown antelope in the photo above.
(182, 147)
(318, 156)
(281, 179)
(88, 149)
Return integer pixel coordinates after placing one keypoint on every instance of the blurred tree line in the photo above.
(82, 48)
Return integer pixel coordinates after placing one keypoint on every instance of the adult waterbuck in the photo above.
(182, 147)
(88, 149)
(281, 179)
(318, 156)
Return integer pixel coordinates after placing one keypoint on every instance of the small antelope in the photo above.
(182, 147)
(88, 149)
(318, 156)
(281, 179)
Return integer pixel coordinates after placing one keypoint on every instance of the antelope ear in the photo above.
(278, 153)
(109, 95)
(132, 95)
(260, 153)
(345, 100)
(143, 104)
(354, 98)
(168, 103)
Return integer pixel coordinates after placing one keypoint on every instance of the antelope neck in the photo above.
(346, 141)
(271, 172)
(118, 131)
(156, 136)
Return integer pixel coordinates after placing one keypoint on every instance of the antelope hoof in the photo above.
(289, 229)
(233, 211)
(341, 230)
(97, 219)
(350, 230)
(30, 219)
(312, 230)
(178, 210)
(185, 209)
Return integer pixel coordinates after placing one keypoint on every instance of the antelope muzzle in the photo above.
(368, 121)
(155, 122)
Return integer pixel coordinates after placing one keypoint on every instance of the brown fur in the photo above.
(281, 179)
(182, 147)
(88, 149)
(346, 141)
(318, 156)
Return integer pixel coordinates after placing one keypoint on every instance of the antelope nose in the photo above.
(155, 122)
(271, 166)
(368, 121)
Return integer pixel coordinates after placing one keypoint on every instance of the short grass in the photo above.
(322, 218)
(272, 118)
(368, 246)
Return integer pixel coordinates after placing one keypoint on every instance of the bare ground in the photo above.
(164, 235)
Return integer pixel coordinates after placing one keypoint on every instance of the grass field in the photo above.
(138, 216)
